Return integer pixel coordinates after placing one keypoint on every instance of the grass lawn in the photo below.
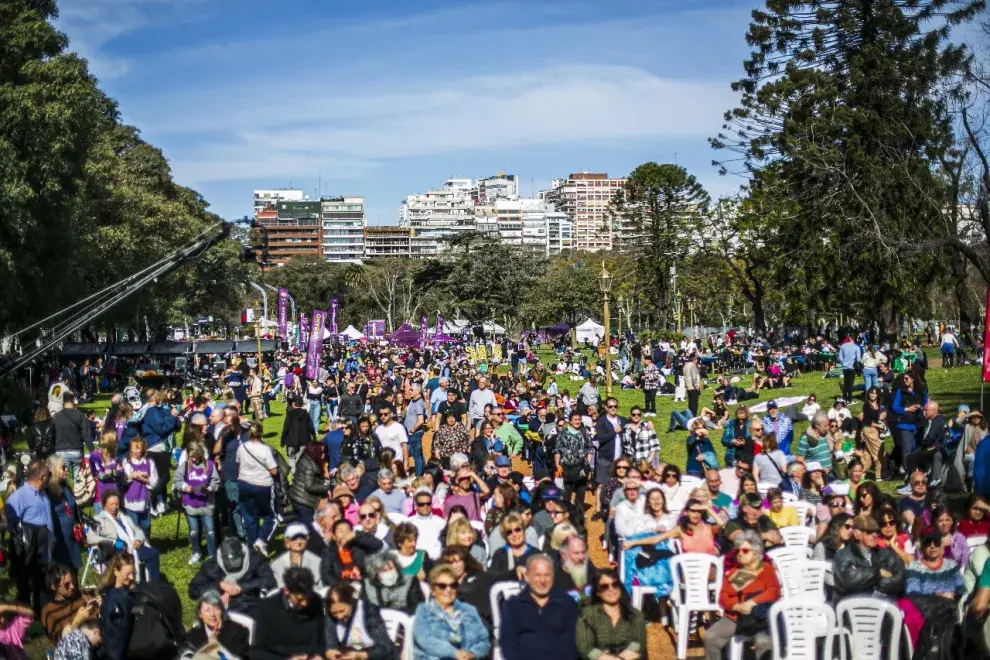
(948, 387)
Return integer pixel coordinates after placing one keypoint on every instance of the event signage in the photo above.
(986, 347)
(333, 317)
(303, 331)
(424, 324)
(283, 306)
(315, 344)
(439, 324)
(376, 328)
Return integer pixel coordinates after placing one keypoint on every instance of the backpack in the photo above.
(157, 631)
(43, 441)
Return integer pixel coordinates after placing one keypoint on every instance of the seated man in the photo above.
(751, 517)
(574, 572)
(293, 621)
(862, 569)
(241, 574)
(296, 539)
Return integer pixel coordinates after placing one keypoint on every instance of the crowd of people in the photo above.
(416, 482)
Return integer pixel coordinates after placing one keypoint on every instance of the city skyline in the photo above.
(384, 101)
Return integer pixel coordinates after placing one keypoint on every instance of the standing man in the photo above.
(391, 434)
(480, 397)
(608, 433)
(29, 518)
(415, 423)
(351, 404)
(72, 432)
(849, 354)
(651, 383)
(639, 440)
(541, 622)
(692, 382)
(256, 389)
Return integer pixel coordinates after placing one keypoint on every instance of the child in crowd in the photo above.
(141, 479)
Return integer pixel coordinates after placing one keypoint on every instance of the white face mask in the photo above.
(389, 578)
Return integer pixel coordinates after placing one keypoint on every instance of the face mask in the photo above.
(389, 578)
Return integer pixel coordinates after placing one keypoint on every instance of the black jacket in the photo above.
(116, 622)
(257, 578)
(934, 436)
(72, 430)
(351, 405)
(529, 631)
(233, 637)
(383, 648)
(297, 429)
(607, 437)
(308, 484)
(362, 546)
(288, 632)
(855, 576)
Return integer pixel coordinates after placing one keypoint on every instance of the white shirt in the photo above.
(255, 472)
(627, 517)
(392, 437)
(479, 399)
(676, 496)
(730, 482)
(429, 528)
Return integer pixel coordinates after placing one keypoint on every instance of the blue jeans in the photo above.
(315, 411)
(258, 511)
(233, 506)
(151, 561)
(870, 379)
(73, 461)
(416, 451)
(331, 410)
(679, 420)
(205, 522)
(141, 519)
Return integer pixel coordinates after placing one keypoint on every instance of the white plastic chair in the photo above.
(813, 579)
(805, 512)
(691, 482)
(244, 620)
(863, 617)
(694, 591)
(976, 541)
(399, 623)
(763, 488)
(788, 497)
(501, 592)
(799, 623)
(789, 562)
(796, 536)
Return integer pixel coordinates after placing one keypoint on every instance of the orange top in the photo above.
(700, 540)
(763, 589)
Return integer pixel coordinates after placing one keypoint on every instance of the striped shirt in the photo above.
(820, 452)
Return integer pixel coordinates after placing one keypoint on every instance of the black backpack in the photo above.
(43, 440)
(157, 631)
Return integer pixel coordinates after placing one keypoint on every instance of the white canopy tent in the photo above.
(459, 326)
(589, 330)
(352, 333)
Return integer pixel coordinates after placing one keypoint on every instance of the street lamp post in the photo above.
(605, 284)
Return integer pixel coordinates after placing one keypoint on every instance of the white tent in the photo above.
(459, 326)
(352, 333)
(589, 330)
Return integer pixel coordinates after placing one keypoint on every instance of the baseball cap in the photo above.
(772, 404)
(502, 461)
(751, 499)
(295, 530)
(865, 524)
(813, 466)
(840, 400)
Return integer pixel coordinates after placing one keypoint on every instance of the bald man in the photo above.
(931, 440)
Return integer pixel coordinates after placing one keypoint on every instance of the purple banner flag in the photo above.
(283, 306)
(439, 324)
(313, 355)
(376, 328)
(424, 323)
(333, 317)
(303, 331)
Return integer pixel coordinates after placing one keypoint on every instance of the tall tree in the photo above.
(661, 207)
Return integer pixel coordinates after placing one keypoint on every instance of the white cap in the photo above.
(813, 466)
(296, 529)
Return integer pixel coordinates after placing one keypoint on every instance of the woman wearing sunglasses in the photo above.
(934, 584)
(609, 628)
(892, 536)
(510, 558)
(444, 627)
(837, 535)
(749, 586)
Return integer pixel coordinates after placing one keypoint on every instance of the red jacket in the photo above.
(764, 589)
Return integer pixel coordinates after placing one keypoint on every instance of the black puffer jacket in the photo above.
(855, 576)
(253, 580)
(297, 429)
(308, 484)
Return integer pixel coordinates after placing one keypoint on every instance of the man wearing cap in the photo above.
(781, 427)
(751, 518)
(296, 539)
(503, 468)
(861, 568)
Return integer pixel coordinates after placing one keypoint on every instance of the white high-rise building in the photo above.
(534, 224)
(343, 223)
(438, 214)
(498, 186)
(265, 198)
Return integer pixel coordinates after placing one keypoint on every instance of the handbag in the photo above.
(755, 622)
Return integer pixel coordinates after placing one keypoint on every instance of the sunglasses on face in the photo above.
(514, 530)
(744, 551)
(611, 407)
(605, 586)
(444, 586)
(366, 516)
(888, 523)
(918, 483)
(635, 415)
(423, 503)
(847, 526)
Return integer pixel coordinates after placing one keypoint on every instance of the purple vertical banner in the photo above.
(303, 331)
(439, 324)
(424, 324)
(376, 328)
(333, 317)
(313, 355)
(283, 307)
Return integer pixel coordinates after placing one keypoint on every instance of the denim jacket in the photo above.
(432, 632)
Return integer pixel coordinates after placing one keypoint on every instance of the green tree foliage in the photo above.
(662, 206)
(84, 201)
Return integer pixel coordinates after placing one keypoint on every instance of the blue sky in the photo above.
(385, 99)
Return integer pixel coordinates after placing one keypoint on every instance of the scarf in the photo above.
(743, 576)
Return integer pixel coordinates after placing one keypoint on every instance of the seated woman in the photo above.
(700, 452)
(445, 627)
(837, 535)
(749, 586)
(609, 627)
(892, 536)
(934, 584)
(782, 516)
(355, 628)
(474, 583)
(460, 532)
(954, 545)
(119, 531)
(413, 562)
(508, 560)
(67, 608)
(386, 587)
(214, 624)
(693, 530)
(647, 563)
(975, 520)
